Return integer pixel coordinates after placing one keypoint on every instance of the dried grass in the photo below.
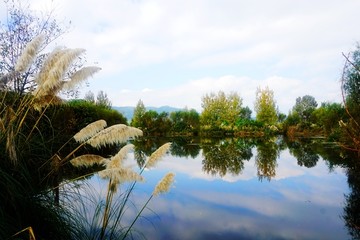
(88, 160)
(79, 76)
(115, 134)
(164, 185)
(120, 175)
(90, 130)
(29, 54)
(157, 155)
(115, 161)
(50, 76)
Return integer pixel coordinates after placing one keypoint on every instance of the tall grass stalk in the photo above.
(117, 174)
(25, 202)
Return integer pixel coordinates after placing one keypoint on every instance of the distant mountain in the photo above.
(128, 111)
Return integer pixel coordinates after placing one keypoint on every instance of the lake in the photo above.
(242, 189)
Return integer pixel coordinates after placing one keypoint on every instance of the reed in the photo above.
(25, 201)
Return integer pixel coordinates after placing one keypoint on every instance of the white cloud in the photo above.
(293, 47)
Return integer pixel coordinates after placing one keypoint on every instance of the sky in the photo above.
(174, 52)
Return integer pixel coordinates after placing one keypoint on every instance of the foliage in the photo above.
(304, 107)
(89, 97)
(139, 112)
(265, 160)
(265, 106)
(102, 100)
(220, 111)
(351, 78)
(245, 113)
(226, 156)
(26, 184)
(185, 121)
(351, 95)
(328, 115)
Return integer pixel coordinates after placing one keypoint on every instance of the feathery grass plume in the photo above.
(79, 76)
(53, 83)
(88, 160)
(164, 185)
(120, 175)
(157, 155)
(115, 134)
(49, 63)
(29, 54)
(115, 161)
(90, 130)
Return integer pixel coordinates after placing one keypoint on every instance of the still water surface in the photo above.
(239, 189)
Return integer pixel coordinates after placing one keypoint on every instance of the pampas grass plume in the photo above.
(88, 160)
(115, 162)
(115, 134)
(79, 76)
(120, 175)
(164, 185)
(29, 54)
(157, 155)
(90, 130)
(53, 73)
(49, 63)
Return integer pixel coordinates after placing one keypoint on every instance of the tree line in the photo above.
(224, 114)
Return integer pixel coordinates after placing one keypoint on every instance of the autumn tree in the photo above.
(265, 106)
(220, 111)
(21, 26)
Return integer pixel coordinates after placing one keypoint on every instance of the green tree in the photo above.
(351, 93)
(304, 107)
(328, 114)
(21, 27)
(102, 100)
(90, 97)
(138, 115)
(220, 111)
(351, 78)
(265, 106)
(185, 121)
(245, 113)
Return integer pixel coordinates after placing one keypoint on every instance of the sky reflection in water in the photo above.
(297, 203)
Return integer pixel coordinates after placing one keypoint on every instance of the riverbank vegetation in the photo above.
(224, 115)
(44, 139)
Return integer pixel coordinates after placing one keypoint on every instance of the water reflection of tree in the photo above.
(265, 160)
(304, 152)
(185, 147)
(352, 206)
(181, 147)
(144, 147)
(226, 155)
